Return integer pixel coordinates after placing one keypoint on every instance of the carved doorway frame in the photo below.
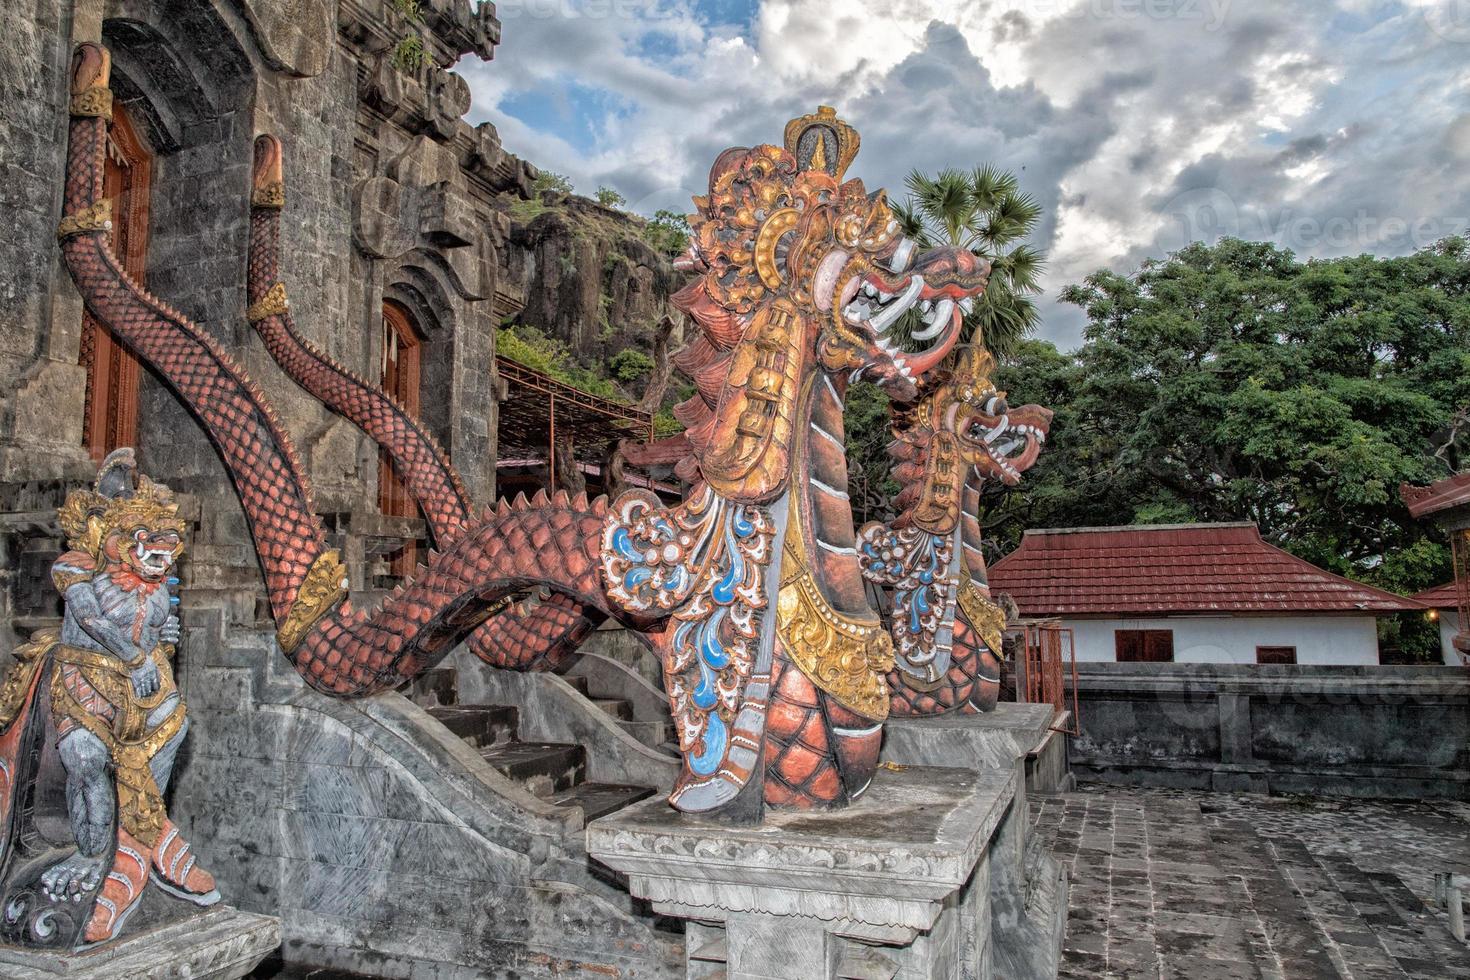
(402, 369)
(110, 416)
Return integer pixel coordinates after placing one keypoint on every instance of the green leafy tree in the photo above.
(548, 180)
(610, 198)
(985, 211)
(668, 232)
(1234, 382)
(631, 366)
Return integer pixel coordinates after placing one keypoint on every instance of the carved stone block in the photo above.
(220, 944)
(296, 37)
(893, 879)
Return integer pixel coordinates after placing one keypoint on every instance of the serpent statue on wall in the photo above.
(749, 589)
(947, 635)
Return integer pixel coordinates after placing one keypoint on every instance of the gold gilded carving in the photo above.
(28, 659)
(97, 217)
(828, 132)
(323, 588)
(986, 618)
(273, 303)
(939, 506)
(269, 195)
(95, 102)
(750, 449)
(775, 226)
(847, 658)
(87, 518)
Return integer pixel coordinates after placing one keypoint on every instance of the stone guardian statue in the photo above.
(99, 695)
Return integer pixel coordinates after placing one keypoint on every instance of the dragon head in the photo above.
(999, 440)
(799, 271)
(960, 420)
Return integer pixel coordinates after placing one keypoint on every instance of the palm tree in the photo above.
(985, 211)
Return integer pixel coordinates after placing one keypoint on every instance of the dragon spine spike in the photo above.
(579, 502)
(520, 503)
(540, 500)
(561, 499)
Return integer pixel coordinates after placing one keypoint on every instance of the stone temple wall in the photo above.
(391, 195)
(345, 819)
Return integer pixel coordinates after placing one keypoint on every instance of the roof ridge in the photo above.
(1183, 568)
(1112, 528)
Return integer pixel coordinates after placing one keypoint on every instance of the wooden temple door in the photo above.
(402, 353)
(111, 401)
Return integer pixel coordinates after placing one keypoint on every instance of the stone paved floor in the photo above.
(1172, 884)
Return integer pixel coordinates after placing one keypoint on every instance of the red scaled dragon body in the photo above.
(750, 589)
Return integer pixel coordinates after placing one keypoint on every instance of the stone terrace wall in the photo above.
(1356, 731)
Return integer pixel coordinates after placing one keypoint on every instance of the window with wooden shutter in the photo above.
(1275, 655)
(1143, 646)
(110, 401)
(401, 370)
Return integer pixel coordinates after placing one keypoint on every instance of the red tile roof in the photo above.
(1439, 597)
(1441, 495)
(1179, 568)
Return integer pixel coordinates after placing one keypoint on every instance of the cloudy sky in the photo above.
(1329, 127)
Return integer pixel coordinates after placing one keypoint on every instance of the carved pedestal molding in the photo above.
(220, 944)
(897, 882)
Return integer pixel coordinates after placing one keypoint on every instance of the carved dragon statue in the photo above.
(750, 589)
(946, 629)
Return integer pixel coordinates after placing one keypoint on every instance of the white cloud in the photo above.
(1138, 123)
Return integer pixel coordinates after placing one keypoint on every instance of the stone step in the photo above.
(480, 724)
(616, 707)
(436, 686)
(544, 767)
(654, 734)
(600, 799)
(579, 684)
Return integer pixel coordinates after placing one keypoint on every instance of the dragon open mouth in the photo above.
(940, 286)
(1005, 441)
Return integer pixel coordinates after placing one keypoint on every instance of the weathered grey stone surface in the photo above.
(220, 943)
(552, 711)
(803, 893)
(1355, 731)
(1027, 888)
(999, 739)
(1213, 886)
(387, 845)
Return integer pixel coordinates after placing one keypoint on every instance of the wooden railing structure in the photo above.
(1046, 659)
(539, 411)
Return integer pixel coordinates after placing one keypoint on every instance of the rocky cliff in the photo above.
(589, 276)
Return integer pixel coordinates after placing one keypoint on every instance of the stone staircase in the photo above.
(552, 771)
(650, 725)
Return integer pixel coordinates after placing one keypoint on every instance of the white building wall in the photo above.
(1233, 639)
(1449, 625)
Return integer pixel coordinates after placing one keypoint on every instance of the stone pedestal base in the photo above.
(219, 944)
(996, 739)
(1028, 887)
(894, 886)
